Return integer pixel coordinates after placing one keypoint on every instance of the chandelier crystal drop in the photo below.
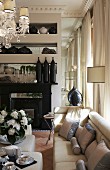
(8, 27)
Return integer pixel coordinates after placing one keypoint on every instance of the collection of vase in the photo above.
(46, 72)
(15, 50)
(43, 30)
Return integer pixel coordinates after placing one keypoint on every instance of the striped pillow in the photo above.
(68, 128)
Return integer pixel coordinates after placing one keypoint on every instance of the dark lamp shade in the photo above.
(96, 74)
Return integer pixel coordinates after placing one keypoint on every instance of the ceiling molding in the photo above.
(45, 9)
(87, 4)
(61, 9)
(71, 14)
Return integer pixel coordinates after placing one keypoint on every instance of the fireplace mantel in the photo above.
(45, 88)
(6, 89)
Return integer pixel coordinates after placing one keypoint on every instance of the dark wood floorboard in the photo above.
(46, 150)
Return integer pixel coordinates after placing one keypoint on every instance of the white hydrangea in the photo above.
(14, 114)
(22, 112)
(4, 113)
(11, 122)
(17, 126)
(1, 118)
(24, 121)
(11, 131)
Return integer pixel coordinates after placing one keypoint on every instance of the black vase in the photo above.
(24, 50)
(4, 50)
(75, 97)
(53, 71)
(38, 71)
(12, 50)
(46, 71)
(33, 29)
(52, 30)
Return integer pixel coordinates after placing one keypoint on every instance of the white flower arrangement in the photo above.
(13, 124)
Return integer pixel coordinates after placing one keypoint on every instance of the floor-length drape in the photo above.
(98, 52)
(107, 61)
(86, 60)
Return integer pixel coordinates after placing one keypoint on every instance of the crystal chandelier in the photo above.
(8, 27)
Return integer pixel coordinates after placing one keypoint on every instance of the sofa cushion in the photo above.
(100, 158)
(68, 128)
(80, 165)
(64, 153)
(90, 149)
(78, 131)
(75, 146)
(65, 166)
(86, 137)
(58, 138)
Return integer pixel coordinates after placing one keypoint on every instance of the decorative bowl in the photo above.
(43, 30)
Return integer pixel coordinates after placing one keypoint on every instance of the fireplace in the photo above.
(37, 106)
(31, 103)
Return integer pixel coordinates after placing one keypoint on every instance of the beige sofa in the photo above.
(64, 158)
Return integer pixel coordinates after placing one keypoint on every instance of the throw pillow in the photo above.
(75, 146)
(90, 149)
(80, 165)
(78, 131)
(100, 158)
(68, 128)
(86, 137)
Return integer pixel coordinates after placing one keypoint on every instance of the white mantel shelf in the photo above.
(25, 58)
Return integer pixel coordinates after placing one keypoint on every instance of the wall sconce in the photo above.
(96, 74)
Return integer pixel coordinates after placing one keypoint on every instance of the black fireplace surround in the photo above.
(41, 106)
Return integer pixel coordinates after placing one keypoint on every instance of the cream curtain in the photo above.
(98, 52)
(86, 60)
(70, 63)
(107, 61)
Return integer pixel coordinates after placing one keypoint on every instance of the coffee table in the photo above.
(38, 157)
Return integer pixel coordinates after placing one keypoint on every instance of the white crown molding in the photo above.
(87, 4)
(45, 9)
(71, 14)
(61, 9)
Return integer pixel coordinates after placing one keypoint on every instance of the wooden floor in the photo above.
(46, 150)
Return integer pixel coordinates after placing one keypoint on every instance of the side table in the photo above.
(49, 117)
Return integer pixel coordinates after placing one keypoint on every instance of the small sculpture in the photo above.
(75, 97)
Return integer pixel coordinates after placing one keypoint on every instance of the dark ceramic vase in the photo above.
(33, 29)
(12, 50)
(75, 97)
(52, 30)
(46, 71)
(4, 50)
(53, 71)
(38, 71)
(24, 50)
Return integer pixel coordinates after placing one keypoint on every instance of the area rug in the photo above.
(46, 149)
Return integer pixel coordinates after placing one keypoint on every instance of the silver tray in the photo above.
(28, 161)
